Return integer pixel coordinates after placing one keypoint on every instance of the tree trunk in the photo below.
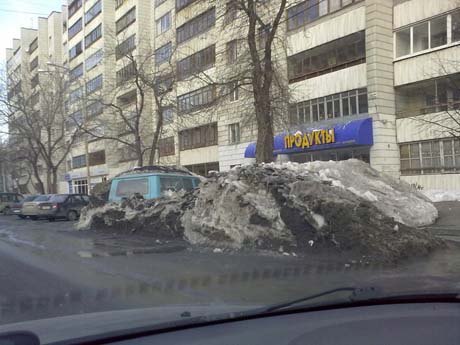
(139, 153)
(54, 181)
(156, 135)
(40, 185)
(264, 148)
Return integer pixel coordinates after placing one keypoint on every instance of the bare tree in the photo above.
(35, 116)
(256, 67)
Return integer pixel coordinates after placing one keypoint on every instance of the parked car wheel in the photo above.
(33, 217)
(7, 211)
(72, 215)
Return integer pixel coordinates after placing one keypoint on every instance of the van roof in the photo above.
(134, 175)
(157, 169)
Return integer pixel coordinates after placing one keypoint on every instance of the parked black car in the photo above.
(66, 206)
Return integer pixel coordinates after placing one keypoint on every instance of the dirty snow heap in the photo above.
(344, 206)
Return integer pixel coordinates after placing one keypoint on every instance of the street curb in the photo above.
(139, 251)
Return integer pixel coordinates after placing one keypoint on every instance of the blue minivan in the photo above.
(150, 185)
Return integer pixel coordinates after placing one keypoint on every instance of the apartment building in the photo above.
(367, 79)
(28, 65)
(375, 80)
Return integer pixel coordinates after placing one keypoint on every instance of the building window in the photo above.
(94, 84)
(231, 11)
(75, 51)
(197, 137)
(196, 25)
(309, 10)
(428, 97)
(430, 157)
(126, 154)
(80, 186)
(128, 98)
(234, 133)
(163, 53)
(79, 161)
(125, 47)
(334, 106)
(93, 12)
(232, 51)
(159, 2)
(180, 4)
(196, 63)
(426, 35)
(196, 99)
(76, 72)
(75, 28)
(35, 98)
(341, 53)
(34, 64)
(33, 46)
(94, 109)
(75, 95)
(94, 59)
(203, 169)
(455, 25)
(75, 119)
(119, 3)
(420, 37)
(74, 6)
(126, 20)
(96, 158)
(164, 23)
(93, 36)
(34, 81)
(168, 115)
(233, 91)
(166, 147)
(126, 73)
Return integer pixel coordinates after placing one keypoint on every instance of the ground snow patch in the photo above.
(436, 195)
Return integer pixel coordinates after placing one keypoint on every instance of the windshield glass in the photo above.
(43, 198)
(58, 198)
(29, 198)
(210, 156)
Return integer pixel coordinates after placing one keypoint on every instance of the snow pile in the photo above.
(395, 198)
(436, 195)
(339, 206)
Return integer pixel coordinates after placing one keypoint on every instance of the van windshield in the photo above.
(130, 187)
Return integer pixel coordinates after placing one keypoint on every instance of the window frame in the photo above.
(195, 25)
(93, 36)
(159, 23)
(448, 31)
(79, 25)
(128, 21)
(234, 128)
(93, 15)
(188, 99)
(443, 168)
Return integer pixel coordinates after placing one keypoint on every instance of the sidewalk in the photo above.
(448, 223)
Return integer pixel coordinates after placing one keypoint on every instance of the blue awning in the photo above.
(353, 133)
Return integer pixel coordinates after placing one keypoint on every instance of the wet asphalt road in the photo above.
(50, 269)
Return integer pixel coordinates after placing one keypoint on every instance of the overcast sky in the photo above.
(15, 14)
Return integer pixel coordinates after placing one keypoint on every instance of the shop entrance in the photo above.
(361, 153)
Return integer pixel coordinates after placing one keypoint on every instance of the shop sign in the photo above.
(308, 139)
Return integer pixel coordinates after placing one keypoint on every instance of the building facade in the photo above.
(367, 79)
